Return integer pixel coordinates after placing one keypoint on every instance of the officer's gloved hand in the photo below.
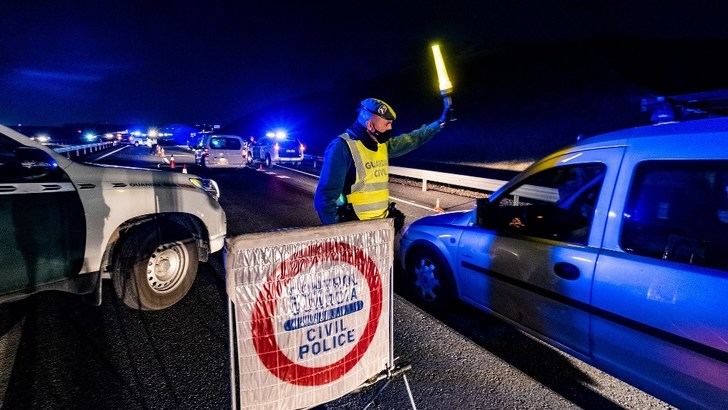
(448, 112)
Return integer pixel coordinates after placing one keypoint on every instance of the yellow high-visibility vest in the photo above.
(370, 192)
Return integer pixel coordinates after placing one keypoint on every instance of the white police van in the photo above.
(221, 151)
(614, 250)
(267, 151)
(66, 225)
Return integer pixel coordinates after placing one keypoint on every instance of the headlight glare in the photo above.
(207, 185)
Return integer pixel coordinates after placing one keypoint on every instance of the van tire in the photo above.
(268, 161)
(156, 267)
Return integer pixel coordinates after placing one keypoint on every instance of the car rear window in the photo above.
(678, 211)
(289, 144)
(225, 143)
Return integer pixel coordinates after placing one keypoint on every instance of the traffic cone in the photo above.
(184, 168)
(171, 161)
(437, 206)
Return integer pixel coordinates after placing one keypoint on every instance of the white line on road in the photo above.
(283, 176)
(299, 171)
(429, 208)
(112, 152)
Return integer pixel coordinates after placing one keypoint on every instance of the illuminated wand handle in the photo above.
(445, 85)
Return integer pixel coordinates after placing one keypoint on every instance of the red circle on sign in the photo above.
(263, 330)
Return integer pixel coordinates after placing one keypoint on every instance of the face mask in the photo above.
(382, 137)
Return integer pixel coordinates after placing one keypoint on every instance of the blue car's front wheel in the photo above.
(429, 279)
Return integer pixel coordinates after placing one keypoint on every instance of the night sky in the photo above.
(186, 62)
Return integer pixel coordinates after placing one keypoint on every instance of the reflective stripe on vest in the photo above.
(370, 192)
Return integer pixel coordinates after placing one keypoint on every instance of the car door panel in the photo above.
(42, 227)
(660, 317)
(540, 283)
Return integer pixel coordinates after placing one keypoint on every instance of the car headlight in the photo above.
(207, 185)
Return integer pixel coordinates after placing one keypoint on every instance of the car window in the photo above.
(289, 144)
(557, 203)
(225, 143)
(678, 211)
(8, 168)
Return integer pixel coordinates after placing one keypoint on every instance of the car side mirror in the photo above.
(484, 213)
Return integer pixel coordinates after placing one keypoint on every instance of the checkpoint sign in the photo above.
(311, 312)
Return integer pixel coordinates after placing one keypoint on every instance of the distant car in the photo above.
(67, 225)
(221, 151)
(146, 142)
(614, 250)
(289, 152)
(268, 151)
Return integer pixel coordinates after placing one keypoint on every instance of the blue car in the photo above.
(614, 250)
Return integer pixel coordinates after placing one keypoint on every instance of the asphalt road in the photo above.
(66, 354)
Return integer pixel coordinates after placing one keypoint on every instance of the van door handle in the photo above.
(566, 270)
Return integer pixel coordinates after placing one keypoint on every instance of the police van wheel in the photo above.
(268, 161)
(250, 159)
(156, 268)
(429, 279)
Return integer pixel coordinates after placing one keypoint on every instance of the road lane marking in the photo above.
(429, 208)
(299, 171)
(112, 152)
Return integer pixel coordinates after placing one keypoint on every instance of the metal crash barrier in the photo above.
(79, 150)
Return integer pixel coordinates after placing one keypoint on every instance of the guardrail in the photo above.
(86, 148)
(465, 181)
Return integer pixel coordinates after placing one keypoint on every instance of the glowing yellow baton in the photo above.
(442, 77)
(445, 85)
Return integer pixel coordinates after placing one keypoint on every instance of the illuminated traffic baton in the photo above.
(442, 78)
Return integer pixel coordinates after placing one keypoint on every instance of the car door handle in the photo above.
(566, 270)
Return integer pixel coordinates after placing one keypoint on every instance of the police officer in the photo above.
(354, 182)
